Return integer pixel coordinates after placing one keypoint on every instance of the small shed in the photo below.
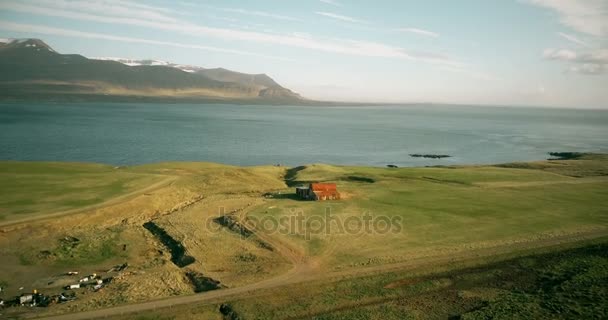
(318, 192)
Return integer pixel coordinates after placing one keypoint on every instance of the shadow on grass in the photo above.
(288, 196)
(291, 174)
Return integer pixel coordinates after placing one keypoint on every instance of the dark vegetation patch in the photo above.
(230, 222)
(228, 312)
(291, 175)
(246, 257)
(233, 225)
(178, 252)
(431, 179)
(69, 242)
(522, 165)
(264, 245)
(202, 283)
(360, 179)
(563, 285)
(45, 255)
(71, 251)
(569, 284)
(591, 167)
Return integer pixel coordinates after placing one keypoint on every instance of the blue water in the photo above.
(124, 134)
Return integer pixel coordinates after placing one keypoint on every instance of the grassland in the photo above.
(33, 189)
(109, 231)
(562, 282)
(446, 209)
(449, 218)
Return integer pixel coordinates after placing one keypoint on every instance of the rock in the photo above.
(431, 156)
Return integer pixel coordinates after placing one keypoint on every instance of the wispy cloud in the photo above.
(421, 32)
(594, 56)
(589, 68)
(340, 17)
(48, 30)
(589, 62)
(573, 39)
(559, 54)
(117, 8)
(255, 13)
(261, 14)
(331, 2)
(337, 46)
(588, 16)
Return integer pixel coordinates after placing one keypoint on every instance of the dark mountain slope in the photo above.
(33, 67)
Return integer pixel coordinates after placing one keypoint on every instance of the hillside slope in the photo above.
(31, 67)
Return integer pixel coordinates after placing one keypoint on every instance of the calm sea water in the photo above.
(124, 134)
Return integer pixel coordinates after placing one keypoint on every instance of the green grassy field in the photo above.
(36, 188)
(447, 209)
(459, 213)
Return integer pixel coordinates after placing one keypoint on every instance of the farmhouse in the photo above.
(318, 192)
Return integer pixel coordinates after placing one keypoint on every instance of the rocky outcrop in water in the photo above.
(565, 155)
(430, 156)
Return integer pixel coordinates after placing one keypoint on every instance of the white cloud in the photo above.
(559, 54)
(338, 46)
(47, 30)
(117, 8)
(340, 17)
(331, 2)
(257, 13)
(589, 17)
(598, 56)
(589, 62)
(585, 16)
(421, 32)
(261, 14)
(573, 39)
(589, 68)
(595, 56)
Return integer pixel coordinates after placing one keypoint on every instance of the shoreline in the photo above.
(388, 165)
(79, 99)
(118, 166)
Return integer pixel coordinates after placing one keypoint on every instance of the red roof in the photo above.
(325, 187)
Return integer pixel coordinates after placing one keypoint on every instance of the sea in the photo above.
(246, 135)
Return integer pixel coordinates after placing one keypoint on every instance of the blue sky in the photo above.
(508, 52)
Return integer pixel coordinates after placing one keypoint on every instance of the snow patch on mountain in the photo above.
(150, 62)
(135, 62)
(26, 43)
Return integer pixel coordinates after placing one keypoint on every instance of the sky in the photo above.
(489, 52)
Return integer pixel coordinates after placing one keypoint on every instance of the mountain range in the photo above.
(31, 69)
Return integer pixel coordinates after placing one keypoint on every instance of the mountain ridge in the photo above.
(31, 67)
